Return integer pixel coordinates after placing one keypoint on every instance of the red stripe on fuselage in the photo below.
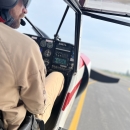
(81, 63)
(85, 59)
(69, 96)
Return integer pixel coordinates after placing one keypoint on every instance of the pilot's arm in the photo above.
(32, 80)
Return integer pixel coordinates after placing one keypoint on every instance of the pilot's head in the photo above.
(12, 11)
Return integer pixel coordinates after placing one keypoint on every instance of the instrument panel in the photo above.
(57, 55)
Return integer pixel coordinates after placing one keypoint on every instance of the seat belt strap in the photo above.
(41, 125)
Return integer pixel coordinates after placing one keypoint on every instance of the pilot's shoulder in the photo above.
(14, 39)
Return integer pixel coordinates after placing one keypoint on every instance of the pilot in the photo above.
(22, 70)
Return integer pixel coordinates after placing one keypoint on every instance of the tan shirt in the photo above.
(22, 75)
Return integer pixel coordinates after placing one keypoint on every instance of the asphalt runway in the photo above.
(105, 107)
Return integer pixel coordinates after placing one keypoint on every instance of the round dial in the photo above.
(43, 43)
(47, 53)
(47, 62)
(50, 44)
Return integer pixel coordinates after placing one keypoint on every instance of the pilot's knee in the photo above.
(59, 75)
(60, 81)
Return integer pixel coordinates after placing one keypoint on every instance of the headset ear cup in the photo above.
(7, 17)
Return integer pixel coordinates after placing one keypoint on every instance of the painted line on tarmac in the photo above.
(76, 117)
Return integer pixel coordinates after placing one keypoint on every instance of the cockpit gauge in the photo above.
(47, 53)
(47, 62)
(43, 43)
(49, 44)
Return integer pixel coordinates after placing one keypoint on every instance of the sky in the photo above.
(106, 44)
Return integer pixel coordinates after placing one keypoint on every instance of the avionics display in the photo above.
(61, 61)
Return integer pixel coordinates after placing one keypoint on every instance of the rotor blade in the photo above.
(102, 78)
